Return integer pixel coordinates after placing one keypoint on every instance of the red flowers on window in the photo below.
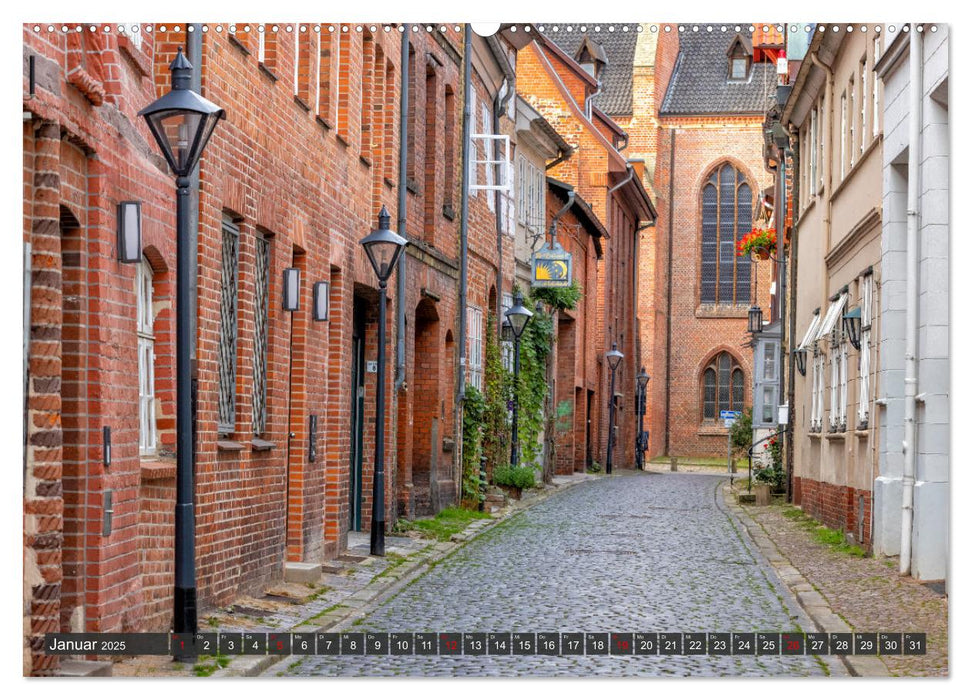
(759, 241)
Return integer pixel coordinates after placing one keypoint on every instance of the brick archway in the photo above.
(426, 431)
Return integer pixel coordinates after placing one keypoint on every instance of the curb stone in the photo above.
(362, 602)
(813, 602)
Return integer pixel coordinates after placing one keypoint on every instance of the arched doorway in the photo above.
(426, 426)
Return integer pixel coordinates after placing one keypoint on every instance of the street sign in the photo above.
(552, 266)
(729, 414)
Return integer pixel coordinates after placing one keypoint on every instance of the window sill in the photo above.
(389, 182)
(261, 445)
(235, 41)
(324, 123)
(342, 139)
(721, 311)
(412, 185)
(224, 445)
(365, 160)
(268, 73)
(712, 429)
(862, 432)
(836, 435)
(448, 211)
(303, 105)
(157, 470)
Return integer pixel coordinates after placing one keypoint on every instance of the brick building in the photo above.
(84, 152)
(293, 178)
(560, 89)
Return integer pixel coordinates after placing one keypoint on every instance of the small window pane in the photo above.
(738, 390)
(709, 389)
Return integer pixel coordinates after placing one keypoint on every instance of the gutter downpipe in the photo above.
(402, 209)
(498, 107)
(781, 212)
(793, 257)
(910, 333)
(464, 227)
(667, 351)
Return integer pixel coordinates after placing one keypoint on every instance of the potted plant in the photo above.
(760, 242)
(513, 480)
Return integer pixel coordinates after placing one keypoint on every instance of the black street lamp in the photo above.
(383, 247)
(518, 316)
(182, 122)
(614, 356)
(642, 379)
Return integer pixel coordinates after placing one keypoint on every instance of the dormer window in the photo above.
(739, 57)
(591, 57)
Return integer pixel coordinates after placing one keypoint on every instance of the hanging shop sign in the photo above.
(552, 267)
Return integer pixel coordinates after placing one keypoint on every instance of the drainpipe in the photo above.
(194, 55)
(402, 208)
(781, 213)
(464, 227)
(498, 107)
(630, 176)
(588, 102)
(910, 332)
(794, 257)
(563, 155)
(667, 351)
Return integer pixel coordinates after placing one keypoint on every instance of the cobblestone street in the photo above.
(637, 552)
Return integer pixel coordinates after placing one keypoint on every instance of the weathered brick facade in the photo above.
(556, 86)
(301, 168)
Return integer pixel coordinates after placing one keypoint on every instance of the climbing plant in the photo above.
(472, 412)
(496, 431)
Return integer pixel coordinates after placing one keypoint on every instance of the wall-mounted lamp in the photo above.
(106, 445)
(799, 355)
(755, 320)
(321, 301)
(291, 289)
(852, 321)
(130, 232)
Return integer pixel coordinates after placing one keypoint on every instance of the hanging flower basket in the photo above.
(759, 242)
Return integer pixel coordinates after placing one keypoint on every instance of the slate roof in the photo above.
(700, 84)
(616, 95)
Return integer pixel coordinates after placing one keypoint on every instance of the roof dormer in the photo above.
(591, 57)
(739, 58)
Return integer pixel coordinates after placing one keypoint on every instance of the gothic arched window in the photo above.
(722, 387)
(726, 216)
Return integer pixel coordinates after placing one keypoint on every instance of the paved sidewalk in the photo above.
(351, 586)
(865, 594)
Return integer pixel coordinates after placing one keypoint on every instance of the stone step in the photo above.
(81, 669)
(301, 572)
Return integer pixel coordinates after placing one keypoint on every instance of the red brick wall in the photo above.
(79, 162)
(836, 506)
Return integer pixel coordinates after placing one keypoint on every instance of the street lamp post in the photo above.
(182, 122)
(518, 316)
(614, 356)
(642, 379)
(383, 247)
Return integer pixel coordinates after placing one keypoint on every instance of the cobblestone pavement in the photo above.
(635, 552)
(867, 592)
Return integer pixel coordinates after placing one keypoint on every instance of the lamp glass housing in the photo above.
(518, 316)
(643, 378)
(799, 355)
(852, 325)
(755, 320)
(291, 289)
(321, 301)
(182, 120)
(614, 356)
(130, 232)
(383, 247)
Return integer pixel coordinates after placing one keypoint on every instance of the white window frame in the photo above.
(261, 45)
(816, 406)
(147, 418)
(876, 88)
(488, 142)
(864, 96)
(837, 388)
(814, 151)
(843, 136)
(296, 62)
(851, 119)
(475, 351)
